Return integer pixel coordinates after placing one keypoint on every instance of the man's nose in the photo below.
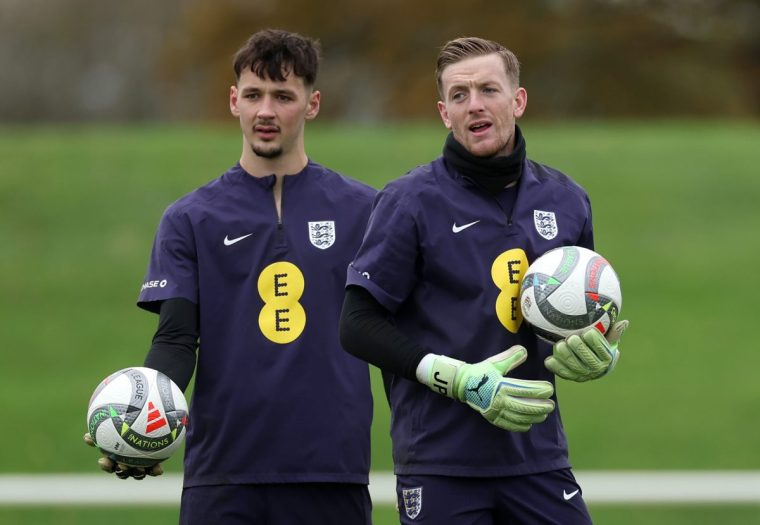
(266, 109)
(475, 102)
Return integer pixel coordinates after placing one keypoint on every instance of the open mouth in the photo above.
(480, 127)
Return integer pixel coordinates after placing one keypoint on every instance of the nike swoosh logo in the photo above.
(457, 229)
(569, 496)
(230, 242)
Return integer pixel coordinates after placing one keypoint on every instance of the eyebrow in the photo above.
(466, 85)
(279, 91)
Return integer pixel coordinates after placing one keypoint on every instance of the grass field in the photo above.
(675, 212)
(616, 515)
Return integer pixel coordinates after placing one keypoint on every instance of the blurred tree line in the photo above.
(71, 60)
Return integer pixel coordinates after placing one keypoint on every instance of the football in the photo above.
(137, 416)
(568, 290)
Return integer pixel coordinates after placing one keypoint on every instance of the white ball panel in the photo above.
(569, 297)
(609, 286)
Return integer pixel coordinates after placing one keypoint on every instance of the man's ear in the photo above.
(521, 101)
(234, 101)
(444, 114)
(314, 101)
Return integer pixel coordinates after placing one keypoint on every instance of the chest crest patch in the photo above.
(546, 224)
(322, 233)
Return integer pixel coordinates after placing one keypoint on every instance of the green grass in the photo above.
(675, 212)
(386, 515)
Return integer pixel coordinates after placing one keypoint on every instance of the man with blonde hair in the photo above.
(432, 300)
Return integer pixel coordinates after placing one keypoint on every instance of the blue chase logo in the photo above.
(546, 224)
(412, 501)
(322, 234)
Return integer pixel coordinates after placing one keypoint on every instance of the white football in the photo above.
(138, 416)
(568, 290)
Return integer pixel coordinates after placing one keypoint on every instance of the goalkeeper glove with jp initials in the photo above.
(123, 471)
(586, 356)
(511, 404)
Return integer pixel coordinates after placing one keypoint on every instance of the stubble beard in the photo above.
(266, 153)
(491, 149)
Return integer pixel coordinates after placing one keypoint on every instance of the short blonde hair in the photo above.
(462, 48)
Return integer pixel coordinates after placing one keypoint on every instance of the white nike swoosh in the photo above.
(569, 496)
(457, 229)
(229, 242)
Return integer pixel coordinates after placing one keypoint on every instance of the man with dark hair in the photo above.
(253, 263)
(433, 293)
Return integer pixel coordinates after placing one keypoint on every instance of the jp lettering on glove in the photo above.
(587, 356)
(121, 470)
(509, 403)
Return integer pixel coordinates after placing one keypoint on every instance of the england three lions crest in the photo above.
(412, 501)
(546, 224)
(322, 234)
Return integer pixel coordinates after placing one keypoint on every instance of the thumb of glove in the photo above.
(508, 359)
(616, 332)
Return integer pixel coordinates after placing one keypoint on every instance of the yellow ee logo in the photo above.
(507, 272)
(282, 319)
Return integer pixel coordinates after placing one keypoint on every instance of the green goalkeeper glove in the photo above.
(586, 356)
(123, 471)
(511, 404)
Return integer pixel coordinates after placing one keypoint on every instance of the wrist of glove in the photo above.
(508, 403)
(122, 471)
(587, 356)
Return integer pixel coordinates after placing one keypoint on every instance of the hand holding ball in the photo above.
(137, 417)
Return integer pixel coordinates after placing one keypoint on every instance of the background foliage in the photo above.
(67, 60)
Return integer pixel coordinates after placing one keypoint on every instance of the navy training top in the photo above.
(446, 258)
(276, 399)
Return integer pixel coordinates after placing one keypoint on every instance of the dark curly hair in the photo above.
(273, 53)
